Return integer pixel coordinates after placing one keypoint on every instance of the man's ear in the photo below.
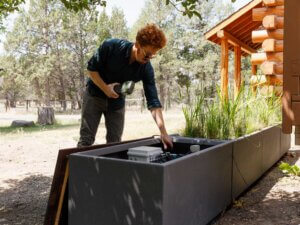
(137, 45)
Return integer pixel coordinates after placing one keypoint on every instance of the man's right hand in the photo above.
(109, 91)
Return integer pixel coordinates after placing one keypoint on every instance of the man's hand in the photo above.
(108, 89)
(158, 117)
(110, 92)
(167, 141)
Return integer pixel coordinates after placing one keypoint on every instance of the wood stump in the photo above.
(46, 116)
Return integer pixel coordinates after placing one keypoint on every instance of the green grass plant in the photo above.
(232, 118)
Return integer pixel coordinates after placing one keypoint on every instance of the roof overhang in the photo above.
(238, 28)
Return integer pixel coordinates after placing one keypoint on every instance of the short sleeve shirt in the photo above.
(111, 61)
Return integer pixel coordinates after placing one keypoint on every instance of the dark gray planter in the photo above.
(254, 154)
(271, 146)
(106, 188)
(190, 190)
(247, 162)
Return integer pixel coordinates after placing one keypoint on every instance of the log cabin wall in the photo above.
(271, 34)
(280, 59)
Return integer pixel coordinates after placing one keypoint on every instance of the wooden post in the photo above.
(237, 70)
(224, 68)
(254, 72)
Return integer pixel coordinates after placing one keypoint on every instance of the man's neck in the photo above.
(133, 54)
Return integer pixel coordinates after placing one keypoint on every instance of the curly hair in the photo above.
(151, 35)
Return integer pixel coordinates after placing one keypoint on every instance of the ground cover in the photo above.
(28, 159)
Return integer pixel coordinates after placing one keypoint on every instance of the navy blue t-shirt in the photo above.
(111, 61)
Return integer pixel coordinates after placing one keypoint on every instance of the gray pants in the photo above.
(92, 110)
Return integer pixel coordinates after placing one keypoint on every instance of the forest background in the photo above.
(46, 52)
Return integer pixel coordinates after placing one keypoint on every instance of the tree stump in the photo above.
(46, 116)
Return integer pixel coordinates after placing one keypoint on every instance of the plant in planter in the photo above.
(232, 118)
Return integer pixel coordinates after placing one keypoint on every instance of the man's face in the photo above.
(145, 53)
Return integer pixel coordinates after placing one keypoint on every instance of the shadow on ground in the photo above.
(273, 199)
(25, 201)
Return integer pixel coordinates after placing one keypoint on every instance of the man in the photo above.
(115, 62)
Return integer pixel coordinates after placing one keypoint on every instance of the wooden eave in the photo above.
(240, 26)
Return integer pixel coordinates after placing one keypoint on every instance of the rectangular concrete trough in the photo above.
(106, 188)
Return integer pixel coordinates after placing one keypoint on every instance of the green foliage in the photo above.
(76, 5)
(189, 7)
(195, 118)
(232, 118)
(188, 60)
(289, 169)
(8, 6)
(48, 47)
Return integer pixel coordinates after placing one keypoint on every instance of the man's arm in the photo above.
(158, 117)
(108, 89)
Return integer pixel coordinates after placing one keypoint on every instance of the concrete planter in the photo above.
(107, 188)
(254, 154)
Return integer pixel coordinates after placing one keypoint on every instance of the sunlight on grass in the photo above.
(217, 119)
(36, 128)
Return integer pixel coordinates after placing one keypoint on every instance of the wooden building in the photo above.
(245, 33)
(269, 31)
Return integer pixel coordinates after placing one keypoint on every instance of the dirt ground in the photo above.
(27, 162)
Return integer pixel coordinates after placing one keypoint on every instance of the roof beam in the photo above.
(235, 42)
(232, 18)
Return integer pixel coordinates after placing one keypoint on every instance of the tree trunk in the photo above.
(46, 115)
(12, 103)
(37, 89)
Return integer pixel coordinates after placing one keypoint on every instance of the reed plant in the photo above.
(233, 117)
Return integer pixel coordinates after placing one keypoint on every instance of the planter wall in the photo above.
(197, 188)
(254, 154)
(106, 188)
(247, 162)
